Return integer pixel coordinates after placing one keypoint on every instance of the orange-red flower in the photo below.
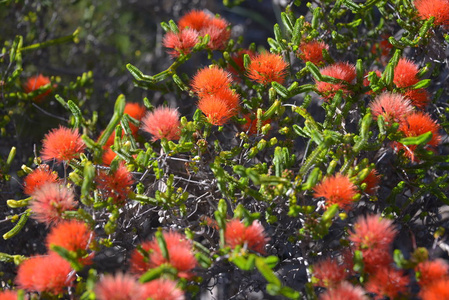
(238, 60)
(344, 291)
(393, 107)
(433, 8)
(340, 70)
(162, 289)
(436, 291)
(372, 182)
(251, 124)
(181, 42)
(405, 73)
(116, 184)
(337, 189)
(419, 97)
(36, 82)
(8, 295)
(180, 255)
(136, 111)
(62, 144)
(49, 202)
(72, 235)
(387, 281)
(194, 19)
(414, 125)
(118, 287)
(329, 272)
(431, 271)
(267, 67)
(40, 176)
(312, 51)
(49, 273)
(211, 81)
(219, 109)
(252, 237)
(162, 123)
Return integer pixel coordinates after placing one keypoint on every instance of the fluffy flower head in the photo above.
(313, 52)
(337, 189)
(405, 73)
(373, 232)
(49, 273)
(393, 107)
(387, 281)
(344, 291)
(253, 236)
(162, 289)
(433, 8)
(219, 110)
(36, 82)
(340, 70)
(432, 271)
(116, 184)
(181, 42)
(62, 144)
(419, 97)
(163, 122)
(49, 202)
(267, 67)
(194, 19)
(72, 235)
(8, 295)
(136, 111)
(329, 272)
(210, 81)
(436, 291)
(40, 176)
(118, 287)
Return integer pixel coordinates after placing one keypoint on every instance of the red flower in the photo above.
(72, 235)
(162, 289)
(433, 8)
(373, 236)
(162, 123)
(118, 287)
(312, 51)
(116, 184)
(108, 156)
(40, 176)
(267, 67)
(414, 125)
(8, 295)
(251, 124)
(62, 144)
(387, 281)
(405, 73)
(419, 97)
(372, 182)
(219, 110)
(136, 111)
(340, 70)
(210, 81)
(431, 271)
(50, 201)
(194, 19)
(329, 273)
(181, 43)
(180, 255)
(436, 291)
(393, 107)
(337, 189)
(49, 273)
(252, 237)
(238, 60)
(344, 291)
(36, 82)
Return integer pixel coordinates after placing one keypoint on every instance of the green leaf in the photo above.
(417, 140)
(69, 256)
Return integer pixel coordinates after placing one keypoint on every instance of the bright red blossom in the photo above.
(433, 8)
(340, 70)
(253, 237)
(118, 287)
(40, 176)
(194, 19)
(162, 289)
(329, 272)
(312, 51)
(337, 189)
(181, 42)
(8, 295)
(372, 182)
(432, 271)
(219, 110)
(210, 81)
(238, 60)
(72, 235)
(36, 82)
(392, 107)
(267, 67)
(116, 184)
(62, 144)
(162, 123)
(108, 156)
(49, 202)
(405, 73)
(419, 97)
(180, 255)
(136, 111)
(387, 281)
(436, 291)
(49, 273)
(344, 291)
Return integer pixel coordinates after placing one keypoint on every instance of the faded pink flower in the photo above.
(162, 289)
(393, 107)
(118, 287)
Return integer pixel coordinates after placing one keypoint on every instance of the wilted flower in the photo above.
(252, 237)
(162, 123)
(62, 144)
(36, 82)
(337, 189)
(267, 67)
(50, 201)
(40, 176)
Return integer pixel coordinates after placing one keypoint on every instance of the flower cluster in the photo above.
(252, 237)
